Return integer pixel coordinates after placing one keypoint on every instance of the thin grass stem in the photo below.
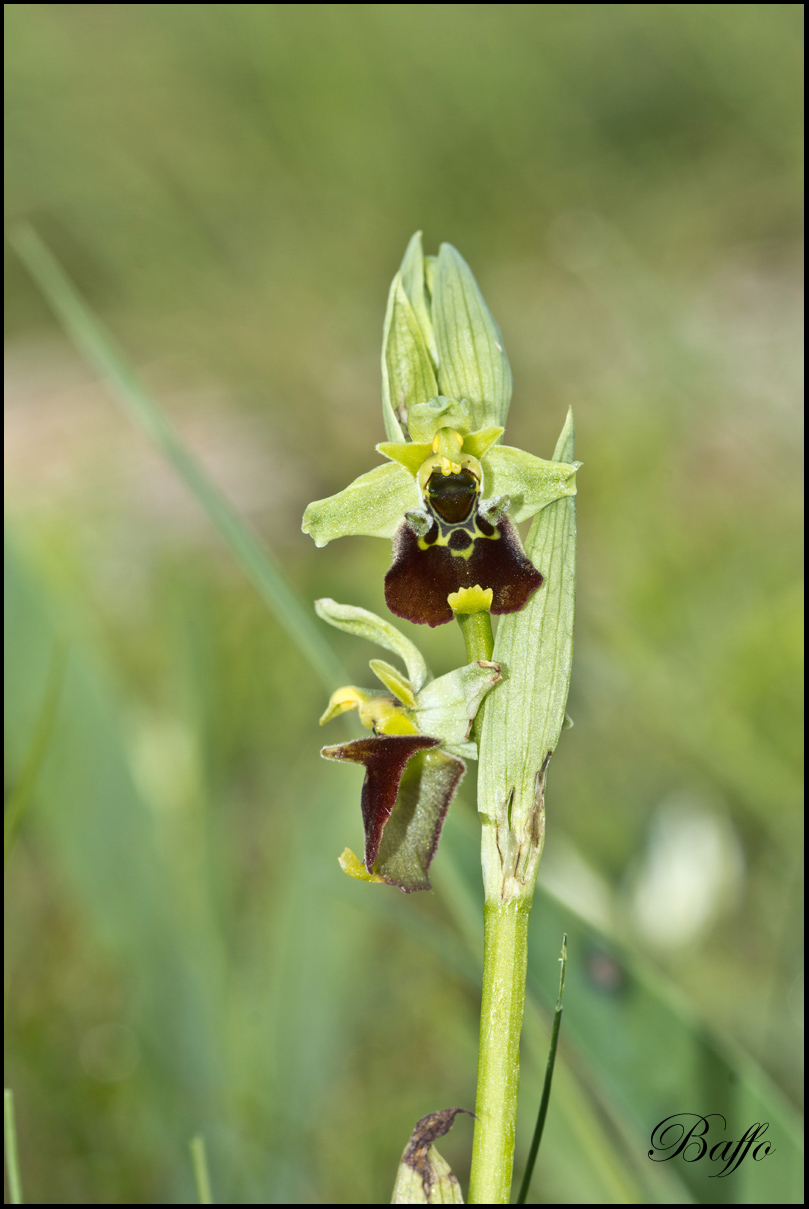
(12, 1159)
(546, 1089)
(202, 1179)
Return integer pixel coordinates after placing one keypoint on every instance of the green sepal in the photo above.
(364, 624)
(430, 266)
(412, 832)
(408, 454)
(472, 363)
(426, 417)
(372, 506)
(408, 372)
(529, 481)
(446, 707)
(413, 271)
(394, 681)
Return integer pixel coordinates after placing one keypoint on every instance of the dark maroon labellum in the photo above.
(425, 570)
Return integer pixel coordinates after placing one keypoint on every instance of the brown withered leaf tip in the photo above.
(427, 1131)
(384, 758)
(425, 570)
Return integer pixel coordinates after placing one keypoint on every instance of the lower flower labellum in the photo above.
(407, 790)
(452, 545)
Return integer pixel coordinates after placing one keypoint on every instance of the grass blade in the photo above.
(101, 350)
(40, 742)
(546, 1089)
(202, 1180)
(12, 1161)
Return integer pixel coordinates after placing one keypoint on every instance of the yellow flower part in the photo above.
(471, 600)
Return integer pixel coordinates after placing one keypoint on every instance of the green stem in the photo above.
(504, 971)
(477, 634)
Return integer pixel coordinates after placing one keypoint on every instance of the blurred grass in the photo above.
(231, 188)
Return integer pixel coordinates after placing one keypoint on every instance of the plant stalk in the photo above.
(477, 635)
(504, 971)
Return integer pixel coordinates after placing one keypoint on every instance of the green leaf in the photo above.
(373, 505)
(530, 482)
(534, 648)
(408, 374)
(446, 707)
(365, 624)
(472, 363)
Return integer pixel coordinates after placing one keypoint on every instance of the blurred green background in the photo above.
(232, 188)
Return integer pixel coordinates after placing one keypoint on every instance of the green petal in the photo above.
(394, 681)
(531, 482)
(472, 363)
(364, 624)
(478, 443)
(406, 453)
(408, 374)
(372, 506)
(446, 707)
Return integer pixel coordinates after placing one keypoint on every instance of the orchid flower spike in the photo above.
(450, 493)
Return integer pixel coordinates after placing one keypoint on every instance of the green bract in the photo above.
(424, 1176)
(535, 648)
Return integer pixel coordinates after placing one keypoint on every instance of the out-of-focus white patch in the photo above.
(691, 873)
(568, 876)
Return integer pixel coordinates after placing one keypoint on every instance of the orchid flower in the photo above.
(414, 760)
(449, 494)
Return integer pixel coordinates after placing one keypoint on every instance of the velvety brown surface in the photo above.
(419, 581)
